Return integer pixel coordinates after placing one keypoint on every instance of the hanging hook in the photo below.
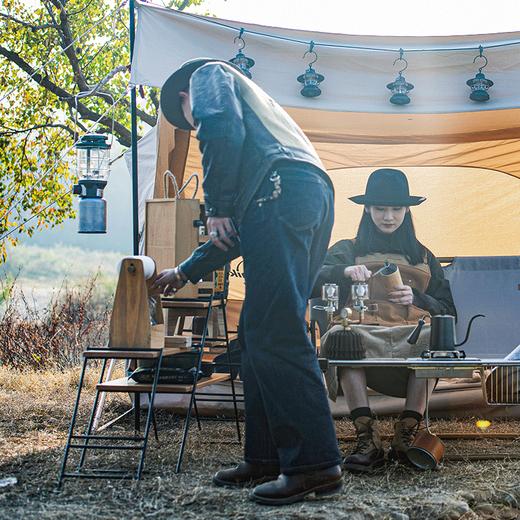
(401, 52)
(239, 38)
(481, 55)
(313, 52)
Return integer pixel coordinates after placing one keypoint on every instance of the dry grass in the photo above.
(55, 336)
(34, 413)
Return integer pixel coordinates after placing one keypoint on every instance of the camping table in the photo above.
(447, 368)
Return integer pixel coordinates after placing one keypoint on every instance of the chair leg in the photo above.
(88, 430)
(149, 416)
(154, 422)
(199, 426)
(233, 392)
(137, 412)
(72, 423)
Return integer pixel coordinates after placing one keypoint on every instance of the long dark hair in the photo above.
(402, 240)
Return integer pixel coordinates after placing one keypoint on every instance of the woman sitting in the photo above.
(385, 234)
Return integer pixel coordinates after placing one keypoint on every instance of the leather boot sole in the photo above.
(246, 483)
(321, 490)
(363, 468)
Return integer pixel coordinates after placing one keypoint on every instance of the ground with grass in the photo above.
(35, 408)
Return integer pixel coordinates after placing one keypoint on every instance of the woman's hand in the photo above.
(357, 273)
(401, 294)
(170, 281)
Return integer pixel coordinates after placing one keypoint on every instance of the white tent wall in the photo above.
(355, 80)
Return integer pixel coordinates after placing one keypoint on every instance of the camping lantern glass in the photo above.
(479, 87)
(93, 169)
(241, 60)
(243, 63)
(400, 88)
(310, 79)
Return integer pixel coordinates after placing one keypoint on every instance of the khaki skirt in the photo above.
(381, 342)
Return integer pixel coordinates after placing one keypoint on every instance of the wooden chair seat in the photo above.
(126, 385)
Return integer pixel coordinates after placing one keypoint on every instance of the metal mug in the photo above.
(426, 451)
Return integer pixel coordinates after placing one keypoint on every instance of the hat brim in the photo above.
(171, 106)
(408, 201)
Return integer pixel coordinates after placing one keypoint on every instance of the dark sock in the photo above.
(412, 413)
(363, 411)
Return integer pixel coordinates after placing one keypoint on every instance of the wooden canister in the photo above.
(426, 451)
(390, 277)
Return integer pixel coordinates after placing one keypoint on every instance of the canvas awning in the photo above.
(470, 211)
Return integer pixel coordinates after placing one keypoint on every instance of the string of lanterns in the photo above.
(399, 88)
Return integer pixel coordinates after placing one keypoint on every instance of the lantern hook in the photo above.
(481, 55)
(401, 52)
(241, 42)
(312, 52)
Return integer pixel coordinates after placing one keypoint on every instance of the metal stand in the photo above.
(107, 442)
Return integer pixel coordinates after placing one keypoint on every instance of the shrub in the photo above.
(55, 336)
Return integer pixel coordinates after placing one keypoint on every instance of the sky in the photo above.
(378, 17)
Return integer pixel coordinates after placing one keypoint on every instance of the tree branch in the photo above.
(14, 131)
(124, 135)
(27, 24)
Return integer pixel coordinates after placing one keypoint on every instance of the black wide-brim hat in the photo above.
(387, 187)
(180, 80)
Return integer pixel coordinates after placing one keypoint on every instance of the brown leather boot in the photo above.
(405, 431)
(369, 453)
(288, 489)
(246, 474)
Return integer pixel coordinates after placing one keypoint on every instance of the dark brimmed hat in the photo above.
(180, 80)
(387, 187)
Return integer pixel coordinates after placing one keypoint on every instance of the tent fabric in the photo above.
(488, 286)
(355, 80)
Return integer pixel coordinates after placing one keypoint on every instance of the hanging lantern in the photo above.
(400, 87)
(241, 60)
(479, 84)
(93, 169)
(310, 78)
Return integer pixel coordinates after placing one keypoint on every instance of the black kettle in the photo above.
(442, 336)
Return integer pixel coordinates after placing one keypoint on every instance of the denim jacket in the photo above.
(242, 134)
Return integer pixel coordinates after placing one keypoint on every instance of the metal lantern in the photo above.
(479, 84)
(310, 78)
(93, 169)
(241, 60)
(400, 87)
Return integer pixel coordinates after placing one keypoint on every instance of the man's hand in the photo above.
(357, 273)
(170, 281)
(222, 232)
(401, 294)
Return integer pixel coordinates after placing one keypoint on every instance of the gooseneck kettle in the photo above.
(442, 336)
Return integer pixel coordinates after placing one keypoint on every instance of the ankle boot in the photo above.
(246, 474)
(369, 453)
(405, 431)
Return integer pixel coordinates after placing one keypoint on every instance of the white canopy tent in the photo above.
(463, 156)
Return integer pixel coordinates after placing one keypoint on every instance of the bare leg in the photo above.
(354, 384)
(416, 393)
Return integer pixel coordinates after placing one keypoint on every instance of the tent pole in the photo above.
(133, 115)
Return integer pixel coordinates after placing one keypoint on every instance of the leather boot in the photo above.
(288, 489)
(369, 453)
(246, 474)
(404, 434)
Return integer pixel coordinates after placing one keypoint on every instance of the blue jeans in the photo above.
(283, 243)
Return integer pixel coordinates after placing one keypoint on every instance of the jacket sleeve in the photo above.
(207, 258)
(217, 111)
(438, 298)
(339, 256)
